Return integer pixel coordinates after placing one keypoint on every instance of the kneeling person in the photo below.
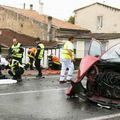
(16, 69)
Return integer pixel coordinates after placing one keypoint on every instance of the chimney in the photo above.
(40, 7)
(24, 6)
(31, 6)
(49, 28)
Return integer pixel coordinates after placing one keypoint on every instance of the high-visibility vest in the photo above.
(16, 49)
(66, 51)
(40, 56)
(55, 60)
(13, 64)
(32, 52)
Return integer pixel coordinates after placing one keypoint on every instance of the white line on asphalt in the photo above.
(31, 91)
(104, 117)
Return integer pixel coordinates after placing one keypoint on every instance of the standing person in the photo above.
(67, 58)
(39, 56)
(16, 50)
(15, 68)
(31, 55)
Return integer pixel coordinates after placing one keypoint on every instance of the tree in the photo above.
(71, 19)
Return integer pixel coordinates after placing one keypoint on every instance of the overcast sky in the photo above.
(61, 9)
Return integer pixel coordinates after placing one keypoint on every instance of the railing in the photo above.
(47, 52)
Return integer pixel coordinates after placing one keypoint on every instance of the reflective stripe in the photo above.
(41, 51)
(57, 63)
(17, 55)
(16, 46)
(12, 65)
(16, 49)
(30, 56)
(66, 51)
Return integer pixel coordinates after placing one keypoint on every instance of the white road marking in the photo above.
(7, 81)
(32, 91)
(104, 117)
(54, 90)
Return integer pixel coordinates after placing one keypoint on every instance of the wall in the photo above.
(22, 24)
(87, 18)
(44, 61)
(80, 47)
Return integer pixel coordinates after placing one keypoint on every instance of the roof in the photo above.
(108, 6)
(43, 18)
(106, 36)
(7, 36)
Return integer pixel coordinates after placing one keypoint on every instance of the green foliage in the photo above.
(71, 19)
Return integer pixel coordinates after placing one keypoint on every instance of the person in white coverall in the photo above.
(67, 59)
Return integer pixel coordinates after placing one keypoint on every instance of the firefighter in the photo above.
(16, 50)
(54, 62)
(15, 68)
(67, 59)
(31, 55)
(39, 56)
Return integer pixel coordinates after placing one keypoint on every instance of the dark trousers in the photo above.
(54, 66)
(18, 59)
(31, 63)
(18, 73)
(38, 66)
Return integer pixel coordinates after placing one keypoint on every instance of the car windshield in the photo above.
(113, 54)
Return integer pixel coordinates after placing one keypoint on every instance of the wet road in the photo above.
(45, 99)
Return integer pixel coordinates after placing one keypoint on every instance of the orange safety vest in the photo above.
(55, 60)
(32, 52)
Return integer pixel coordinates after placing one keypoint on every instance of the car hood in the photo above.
(85, 64)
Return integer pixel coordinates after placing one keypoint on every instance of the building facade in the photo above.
(103, 21)
(99, 18)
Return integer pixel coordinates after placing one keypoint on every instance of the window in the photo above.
(99, 22)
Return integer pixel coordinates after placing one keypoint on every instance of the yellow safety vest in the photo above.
(66, 51)
(16, 49)
(40, 56)
(13, 64)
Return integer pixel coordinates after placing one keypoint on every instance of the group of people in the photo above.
(16, 68)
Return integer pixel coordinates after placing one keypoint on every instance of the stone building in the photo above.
(31, 23)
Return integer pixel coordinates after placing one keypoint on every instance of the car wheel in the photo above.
(108, 84)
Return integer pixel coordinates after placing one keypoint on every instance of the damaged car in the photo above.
(102, 75)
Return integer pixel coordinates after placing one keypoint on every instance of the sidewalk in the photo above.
(45, 72)
(35, 72)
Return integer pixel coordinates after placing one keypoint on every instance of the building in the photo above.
(99, 18)
(102, 20)
(31, 23)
